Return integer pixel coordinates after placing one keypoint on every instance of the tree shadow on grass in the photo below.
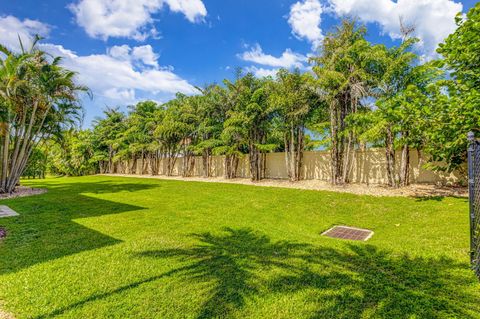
(433, 198)
(360, 281)
(230, 262)
(373, 283)
(45, 229)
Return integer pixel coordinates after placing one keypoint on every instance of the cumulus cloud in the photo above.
(305, 19)
(142, 55)
(288, 59)
(145, 55)
(433, 19)
(11, 28)
(114, 74)
(261, 72)
(118, 75)
(130, 19)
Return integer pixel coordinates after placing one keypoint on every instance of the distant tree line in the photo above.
(357, 95)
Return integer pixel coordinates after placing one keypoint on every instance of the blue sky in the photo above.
(127, 50)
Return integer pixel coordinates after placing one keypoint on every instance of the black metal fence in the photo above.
(474, 196)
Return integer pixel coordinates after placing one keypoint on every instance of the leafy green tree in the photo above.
(250, 121)
(107, 136)
(398, 88)
(212, 114)
(175, 129)
(36, 164)
(137, 136)
(72, 154)
(295, 100)
(459, 110)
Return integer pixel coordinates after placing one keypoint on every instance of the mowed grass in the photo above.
(112, 247)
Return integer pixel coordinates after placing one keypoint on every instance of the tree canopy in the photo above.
(357, 95)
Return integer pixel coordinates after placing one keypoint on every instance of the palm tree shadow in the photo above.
(365, 281)
(356, 282)
(359, 281)
(230, 261)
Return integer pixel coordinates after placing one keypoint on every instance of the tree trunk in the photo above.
(5, 149)
(188, 164)
(231, 165)
(346, 159)
(405, 166)
(207, 162)
(334, 152)
(390, 156)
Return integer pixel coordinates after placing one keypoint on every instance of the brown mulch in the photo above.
(417, 190)
(22, 191)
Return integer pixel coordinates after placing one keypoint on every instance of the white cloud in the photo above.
(131, 19)
(305, 19)
(192, 9)
(121, 52)
(433, 19)
(11, 28)
(115, 76)
(288, 59)
(146, 55)
(142, 55)
(126, 95)
(119, 75)
(261, 72)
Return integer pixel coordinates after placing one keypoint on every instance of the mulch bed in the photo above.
(3, 233)
(22, 191)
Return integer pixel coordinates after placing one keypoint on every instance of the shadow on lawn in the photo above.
(439, 198)
(351, 283)
(359, 281)
(45, 230)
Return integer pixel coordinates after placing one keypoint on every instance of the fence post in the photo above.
(471, 191)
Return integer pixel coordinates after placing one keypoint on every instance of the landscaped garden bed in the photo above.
(22, 191)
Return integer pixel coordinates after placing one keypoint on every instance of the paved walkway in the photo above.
(6, 211)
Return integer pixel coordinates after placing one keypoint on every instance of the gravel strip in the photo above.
(418, 190)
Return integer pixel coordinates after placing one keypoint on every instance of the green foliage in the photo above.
(456, 103)
(461, 49)
(73, 155)
(38, 99)
(360, 95)
(37, 164)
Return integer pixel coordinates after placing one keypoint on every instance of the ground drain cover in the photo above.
(346, 232)
(6, 211)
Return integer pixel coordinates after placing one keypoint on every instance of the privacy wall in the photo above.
(369, 168)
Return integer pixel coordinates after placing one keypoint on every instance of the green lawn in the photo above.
(111, 247)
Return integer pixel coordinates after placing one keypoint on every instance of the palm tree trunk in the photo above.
(390, 156)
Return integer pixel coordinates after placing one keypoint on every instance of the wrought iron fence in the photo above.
(474, 199)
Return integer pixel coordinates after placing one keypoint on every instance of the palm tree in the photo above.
(295, 101)
(37, 97)
(343, 80)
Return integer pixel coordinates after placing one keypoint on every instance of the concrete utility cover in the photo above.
(6, 211)
(346, 232)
